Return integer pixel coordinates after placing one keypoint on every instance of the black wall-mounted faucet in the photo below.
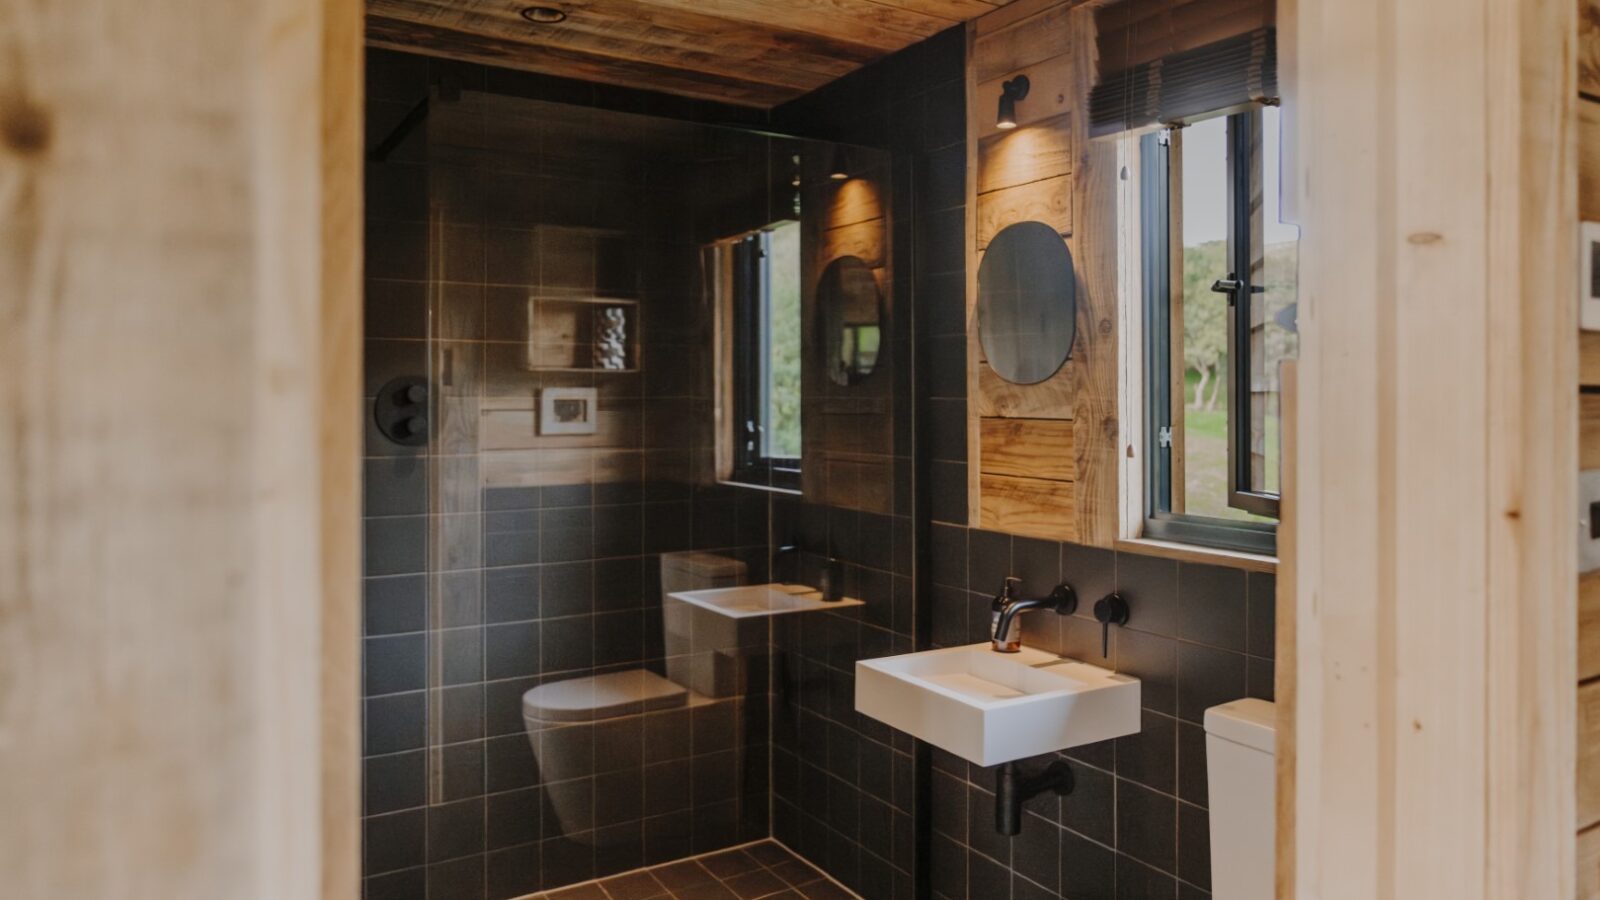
(1005, 634)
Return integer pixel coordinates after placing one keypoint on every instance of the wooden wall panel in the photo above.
(1435, 717)
(1589, 432)
(1045, 170)
(178, 450)
(1588, 806)
(1589, 49)
(1048, 201)
(1029, 448)
(1025, 155)
(1588, 856)
(1050, 94)
(1589, 625)
(343, 127)
(1024, 44)
(1049, 399)
(1028, 506)
(1589, 359)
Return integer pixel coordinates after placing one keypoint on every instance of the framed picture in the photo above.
(1589, 283)
(568, 410)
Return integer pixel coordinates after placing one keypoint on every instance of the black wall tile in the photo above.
(395, 782)
(1212, 606)
(1207, 677)
(396, 722)
(395, 664)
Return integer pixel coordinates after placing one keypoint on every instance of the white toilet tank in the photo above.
(1242, 785)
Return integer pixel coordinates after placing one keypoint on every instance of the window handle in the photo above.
(1232, 286)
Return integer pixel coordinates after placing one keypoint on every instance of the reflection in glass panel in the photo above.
(1273, 336)
(1200, 414)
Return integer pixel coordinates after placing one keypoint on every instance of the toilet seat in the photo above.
(597, 697)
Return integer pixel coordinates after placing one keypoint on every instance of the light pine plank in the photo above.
(1028, 448)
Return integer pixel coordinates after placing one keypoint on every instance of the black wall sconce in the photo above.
(1010, 92)
(838, 170)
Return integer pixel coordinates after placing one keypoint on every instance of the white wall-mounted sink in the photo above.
(990, 708)
(762, 600)
(715, 637)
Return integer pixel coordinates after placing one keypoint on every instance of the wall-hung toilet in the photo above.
(1241, 780)
(592, 726)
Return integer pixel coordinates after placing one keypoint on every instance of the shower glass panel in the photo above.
(581, 335)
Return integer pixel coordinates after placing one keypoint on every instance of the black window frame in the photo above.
(752, 347)
(1156, 250)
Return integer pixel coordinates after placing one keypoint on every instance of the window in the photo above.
(763, 304)
(1219, 275)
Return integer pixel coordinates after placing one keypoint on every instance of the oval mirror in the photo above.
(849, 308)
(1027, 303)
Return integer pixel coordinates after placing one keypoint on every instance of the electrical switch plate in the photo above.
(1589, 520)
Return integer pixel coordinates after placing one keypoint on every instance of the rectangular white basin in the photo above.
(990, 708)
(762, 600)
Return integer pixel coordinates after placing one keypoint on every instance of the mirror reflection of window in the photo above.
(849, 310)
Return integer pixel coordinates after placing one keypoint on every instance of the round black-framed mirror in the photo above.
(850, 313)
(1027, 303)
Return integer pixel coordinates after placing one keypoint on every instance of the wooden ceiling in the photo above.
(747, 52)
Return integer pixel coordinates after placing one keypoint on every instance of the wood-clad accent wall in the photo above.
(179, 311)
(1043, 456)
(1434, 551)
(1588, 698)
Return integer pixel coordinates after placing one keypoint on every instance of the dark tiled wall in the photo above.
(846, 789)
(477, 589)
(1136, 826)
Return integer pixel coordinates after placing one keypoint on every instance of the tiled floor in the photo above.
(766, 870)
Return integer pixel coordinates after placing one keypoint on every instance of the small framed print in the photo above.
(1589, 285)
(567, 410)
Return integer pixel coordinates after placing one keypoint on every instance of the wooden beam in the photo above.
(340, 331)
(176, 565)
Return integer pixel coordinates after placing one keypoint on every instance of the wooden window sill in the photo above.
(1251, 562)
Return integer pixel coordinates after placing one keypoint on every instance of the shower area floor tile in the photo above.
(758, 871)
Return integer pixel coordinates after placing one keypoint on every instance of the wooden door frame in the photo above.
(180, 316)
(1434, 560)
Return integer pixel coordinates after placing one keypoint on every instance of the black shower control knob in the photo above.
(417, 393)
(415, 425)
(1110, 610)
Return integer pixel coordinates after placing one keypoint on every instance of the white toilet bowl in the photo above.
(586, 726)
(1241, 784)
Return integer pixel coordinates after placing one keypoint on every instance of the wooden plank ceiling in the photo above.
(747, 52)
